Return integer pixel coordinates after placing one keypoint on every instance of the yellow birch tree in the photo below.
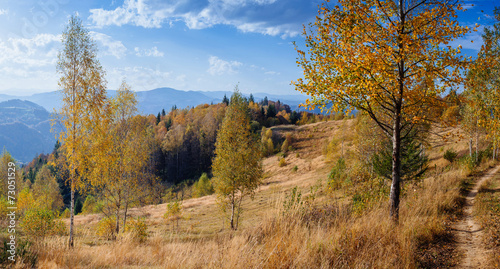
(483, 87)
(83, 89)
(126, 151)
(237, 165)
(388, 58)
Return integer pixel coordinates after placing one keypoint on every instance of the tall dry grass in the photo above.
(329, 232)
(303, 236)
(487, 209)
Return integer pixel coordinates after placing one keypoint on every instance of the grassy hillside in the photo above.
(297, 219)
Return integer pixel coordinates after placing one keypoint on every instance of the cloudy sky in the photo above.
(203, 45)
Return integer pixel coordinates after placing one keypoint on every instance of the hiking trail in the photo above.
(469, 232)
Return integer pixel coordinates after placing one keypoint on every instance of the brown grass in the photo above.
(324, 233)
(487, 208)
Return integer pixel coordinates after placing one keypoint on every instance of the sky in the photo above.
(199, 45)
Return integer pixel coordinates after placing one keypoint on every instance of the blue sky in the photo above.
(205, 45)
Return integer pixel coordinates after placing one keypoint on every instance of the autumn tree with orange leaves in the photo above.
(389, 59)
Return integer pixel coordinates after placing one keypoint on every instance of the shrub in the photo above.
(89, 206)
(338, 174)
(282, 162)
(284, 146)
(24, 255)
(254, 126)
(295, 168)
(174, 212)
(269, 146)
(59, 227)
(40, 222)
(367, 194)
(138, 229)
(203, 186)
(293, 203)
(106, 228)
(450, 155)
(287, 144)
(3, 206)
(267, 142)
(66, 213)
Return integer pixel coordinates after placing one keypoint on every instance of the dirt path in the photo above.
(469, 233)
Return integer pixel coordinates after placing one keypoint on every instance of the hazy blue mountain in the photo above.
(153, 101)
(25, 129)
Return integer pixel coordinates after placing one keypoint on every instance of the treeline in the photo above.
(186, 137)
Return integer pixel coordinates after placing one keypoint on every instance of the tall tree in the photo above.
(388, 58)
(126, 156)
(122, 171)
(237, 166)
(225, 100)
(482, 106)
(83, 89)
(46, 190)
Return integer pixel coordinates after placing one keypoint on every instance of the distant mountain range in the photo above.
(25, 129)
(25, 120)
(153, 101)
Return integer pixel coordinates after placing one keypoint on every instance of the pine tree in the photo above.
(225, 100)
(271, 111)
(265, 102)
(413, 159)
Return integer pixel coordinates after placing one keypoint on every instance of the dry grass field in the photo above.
(326, 229)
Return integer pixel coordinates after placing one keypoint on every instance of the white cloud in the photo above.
(133, 12)
(203, 19)
(29, 52)
(220, 67)
(153, 52)
(272, 73)
(3, 11)
(113, 47)
(280, 18)
(243, 3)
(262, 28)
(139, 77)
(25, 62)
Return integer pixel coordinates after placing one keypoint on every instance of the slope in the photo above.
(321, 228)
(25, 129)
